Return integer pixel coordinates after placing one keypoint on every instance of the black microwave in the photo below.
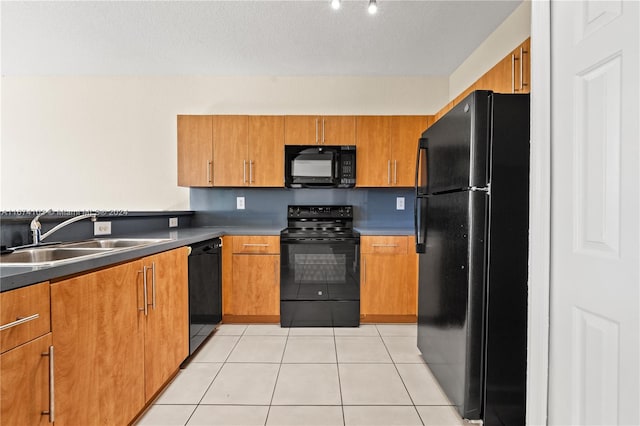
(308, 166)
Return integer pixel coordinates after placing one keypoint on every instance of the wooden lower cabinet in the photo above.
(24, 383)
(166, 340)
(112, 354)
(251, 278)
(98, 335)
(388, 279)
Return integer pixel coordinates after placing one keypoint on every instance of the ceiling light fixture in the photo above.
(335, 4)
(373, 7)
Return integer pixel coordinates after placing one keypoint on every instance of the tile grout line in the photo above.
(393, 361)
(216, 375)
(275, 384)
(335, 349)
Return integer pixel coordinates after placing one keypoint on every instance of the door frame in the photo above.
(539, 216)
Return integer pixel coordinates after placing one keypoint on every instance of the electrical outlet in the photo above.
(399, 203)
(173, 222)
(101, 228)
(240, 203)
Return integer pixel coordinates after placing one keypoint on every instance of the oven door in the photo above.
(320, 283)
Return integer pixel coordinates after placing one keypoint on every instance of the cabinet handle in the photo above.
(209, 171)
(388, 172)
(316, 130)
(255, 245)
(153, 285)
(250, 172)
(364, 270)
(19, 321)
(244, 171)
(52, 388)
(513, 73)
(275, 271)
(395, 172)
(384, 245)
(144, 291)
(522, 83)
(322, 130)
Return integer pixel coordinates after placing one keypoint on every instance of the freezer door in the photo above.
(457, 152)
(451, 296)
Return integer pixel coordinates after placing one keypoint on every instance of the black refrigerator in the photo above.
(472, 222)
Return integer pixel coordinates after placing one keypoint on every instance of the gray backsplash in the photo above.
(268, 206)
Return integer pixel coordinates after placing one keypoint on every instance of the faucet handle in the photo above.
(35, 222)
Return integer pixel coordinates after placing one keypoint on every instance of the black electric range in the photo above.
(319, 268)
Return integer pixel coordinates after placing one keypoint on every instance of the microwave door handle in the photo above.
(422, 146)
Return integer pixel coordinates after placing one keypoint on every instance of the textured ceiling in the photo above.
(418, 38)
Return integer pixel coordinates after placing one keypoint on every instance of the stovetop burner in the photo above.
(319, 223)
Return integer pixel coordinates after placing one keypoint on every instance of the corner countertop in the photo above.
(13, 277)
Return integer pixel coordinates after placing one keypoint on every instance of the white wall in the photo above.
(80, 143)
(513, 31)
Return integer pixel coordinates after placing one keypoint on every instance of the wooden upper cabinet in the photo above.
(338, 130)
(373, 167)
(266, 151)
(195, 150)
(386, 147)
(230, 150)
(301, 130)
(320, 130)
(525, 72)
(405, 133)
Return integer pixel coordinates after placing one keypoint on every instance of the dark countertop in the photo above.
(12, 277)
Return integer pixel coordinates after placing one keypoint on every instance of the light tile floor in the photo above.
(267, 375)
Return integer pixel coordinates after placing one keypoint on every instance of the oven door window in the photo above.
(320, 271)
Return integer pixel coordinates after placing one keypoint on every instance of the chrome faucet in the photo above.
(36, 228)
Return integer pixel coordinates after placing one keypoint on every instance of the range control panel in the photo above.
(324, 212)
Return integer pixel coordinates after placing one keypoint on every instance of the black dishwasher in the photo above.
(205, 291)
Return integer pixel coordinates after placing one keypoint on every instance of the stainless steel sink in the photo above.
(113, 243)
(47, 256)
(67, 252)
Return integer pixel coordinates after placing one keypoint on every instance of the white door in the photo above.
(594, 363)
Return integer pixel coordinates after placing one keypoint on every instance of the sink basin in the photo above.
(47, 256)
(67, 252)
(111, 243)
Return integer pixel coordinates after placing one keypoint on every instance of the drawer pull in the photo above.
(384, 245)
(255, 245)
(19, 321)
(51, 411)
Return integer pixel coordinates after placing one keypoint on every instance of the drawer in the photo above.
(261, 244)
(391, 244)
(24, 315)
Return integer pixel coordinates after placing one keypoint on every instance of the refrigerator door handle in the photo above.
(422, 146)
(417, 223)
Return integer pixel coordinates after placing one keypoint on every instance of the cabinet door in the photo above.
(266, 151)
(388, 284)
(255, 287)
(98, 334)
(24, 384)
(230, 150)
(338, 130)
(166, 341)
(405, 132)
(373, 167)
(195, 150)
(302, 130)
